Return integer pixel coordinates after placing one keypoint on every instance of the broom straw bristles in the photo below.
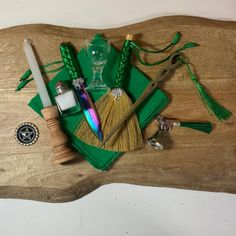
(111, 110)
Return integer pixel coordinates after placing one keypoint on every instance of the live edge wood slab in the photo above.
(195, 161)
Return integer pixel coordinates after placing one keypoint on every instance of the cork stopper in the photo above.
(129, 37)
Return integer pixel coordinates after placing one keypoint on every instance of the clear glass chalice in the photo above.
(97, 53)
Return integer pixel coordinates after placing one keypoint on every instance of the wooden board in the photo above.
(196, 160)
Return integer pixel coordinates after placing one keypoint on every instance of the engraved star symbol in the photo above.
(26, 134)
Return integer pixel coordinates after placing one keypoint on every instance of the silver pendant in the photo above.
(161, 139)
(156, 141)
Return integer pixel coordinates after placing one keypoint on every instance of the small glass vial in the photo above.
(66, 100)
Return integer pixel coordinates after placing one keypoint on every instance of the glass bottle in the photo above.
(66, 100)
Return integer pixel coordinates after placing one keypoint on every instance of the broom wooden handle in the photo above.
(149, 89)
(62, 152)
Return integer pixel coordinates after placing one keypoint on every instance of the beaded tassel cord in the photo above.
(211, 104)
(111, 108)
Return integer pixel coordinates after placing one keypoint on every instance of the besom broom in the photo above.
(111, 107)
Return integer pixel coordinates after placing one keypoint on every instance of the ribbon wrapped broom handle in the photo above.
(124, 63)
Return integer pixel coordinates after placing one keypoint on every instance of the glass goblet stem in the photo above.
(97, 73)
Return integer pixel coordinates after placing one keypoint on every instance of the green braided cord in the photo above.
(28, 73)
(70, 60)
(24, 80)
(205, 127)
(174, 41)
(45, 71)
(124, 64)
(187, 45)
(211, 104)
(139, 48)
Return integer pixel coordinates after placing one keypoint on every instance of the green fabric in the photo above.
(134, 86)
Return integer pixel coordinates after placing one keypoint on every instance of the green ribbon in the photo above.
(186, 46)
(174, 41)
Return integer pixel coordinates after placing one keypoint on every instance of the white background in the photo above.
(118, 209)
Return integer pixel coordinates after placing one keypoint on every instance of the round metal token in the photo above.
(26, 134)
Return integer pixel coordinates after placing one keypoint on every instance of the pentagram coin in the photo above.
(26, 134)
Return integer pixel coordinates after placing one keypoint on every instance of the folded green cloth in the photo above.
(100, 158)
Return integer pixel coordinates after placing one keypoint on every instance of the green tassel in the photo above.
(212, 105)
(26, 75)
(218, 110)
(176, 38)
(191, 45)
(23, 84)
(205, 127)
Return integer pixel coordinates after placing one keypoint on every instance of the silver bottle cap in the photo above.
(61, 87)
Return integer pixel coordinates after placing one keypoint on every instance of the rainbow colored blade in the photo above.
(88, 108)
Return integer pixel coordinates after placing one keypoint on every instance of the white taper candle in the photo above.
(42, 90)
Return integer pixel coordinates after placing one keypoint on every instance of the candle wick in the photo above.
(28, 41)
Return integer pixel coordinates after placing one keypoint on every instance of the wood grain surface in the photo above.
(195, 161)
